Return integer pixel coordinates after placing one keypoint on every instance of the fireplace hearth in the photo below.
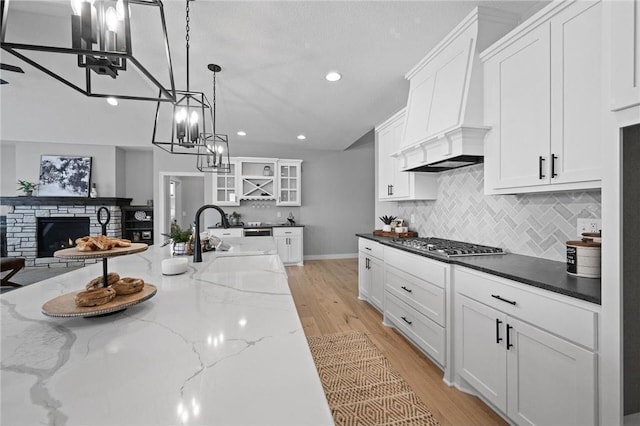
(55, 233)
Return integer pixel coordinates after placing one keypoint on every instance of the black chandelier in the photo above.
(213, 155)
(98, 39)
(186, 124)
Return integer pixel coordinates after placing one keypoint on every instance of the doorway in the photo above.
(181, 195)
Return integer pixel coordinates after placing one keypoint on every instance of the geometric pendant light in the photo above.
(213, 156)
(88, 45)
(179, 128)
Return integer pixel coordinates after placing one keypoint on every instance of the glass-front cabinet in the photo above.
(289, 182)
(225, 187)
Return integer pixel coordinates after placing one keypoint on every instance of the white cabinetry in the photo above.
(257, 178)
(226, 233)
(394, 184)
(531, 355)
(289, 182)
(625, 54)
(415, 300)
(543, 102)
(371, 273)
(289, 244)
(225, 187)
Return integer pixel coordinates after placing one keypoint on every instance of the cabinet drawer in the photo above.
(370, 247)
(226, 233)
(426, 269)
(425, 297)
(425, 333)
(531, 305)
(287, 232)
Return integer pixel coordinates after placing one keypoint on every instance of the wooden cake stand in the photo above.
(65, 305)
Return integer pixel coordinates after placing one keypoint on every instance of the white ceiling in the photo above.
(274, 56)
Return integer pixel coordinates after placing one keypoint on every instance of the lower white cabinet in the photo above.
(415, 298)
(289, 244)
(371, 273)
(533, 375)
(226, 232)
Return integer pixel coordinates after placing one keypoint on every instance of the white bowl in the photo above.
(175, 266)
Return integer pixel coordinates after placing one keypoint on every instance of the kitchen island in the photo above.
(221, 344)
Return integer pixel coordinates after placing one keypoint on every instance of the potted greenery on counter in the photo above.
(178, 239)
(387, 220)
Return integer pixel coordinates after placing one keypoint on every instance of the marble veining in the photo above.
(219, 345)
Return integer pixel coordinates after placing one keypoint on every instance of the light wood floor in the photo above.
(326, 297)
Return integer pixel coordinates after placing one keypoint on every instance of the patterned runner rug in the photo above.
(360, 385)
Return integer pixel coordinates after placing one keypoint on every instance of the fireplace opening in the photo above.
(55, 233)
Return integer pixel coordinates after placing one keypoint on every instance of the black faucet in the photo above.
(197, 248)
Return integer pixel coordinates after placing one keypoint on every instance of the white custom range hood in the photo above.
(444, 125)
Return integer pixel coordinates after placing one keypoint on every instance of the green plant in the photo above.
(26, 186)
(235, 214)
(177, 235)
(387, 219)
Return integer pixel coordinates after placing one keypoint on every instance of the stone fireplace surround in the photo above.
(22, 223)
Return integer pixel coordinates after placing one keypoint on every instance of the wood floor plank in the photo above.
(326, 296)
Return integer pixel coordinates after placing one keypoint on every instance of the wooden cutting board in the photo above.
(381, 233)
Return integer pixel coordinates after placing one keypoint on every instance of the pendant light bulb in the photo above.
(181, 115)
(194, 118)
(120, 10)
(76, 6)
(111, 19)
(220, 149)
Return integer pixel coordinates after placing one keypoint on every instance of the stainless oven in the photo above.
(257, 232)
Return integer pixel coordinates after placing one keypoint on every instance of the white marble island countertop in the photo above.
(219, 345)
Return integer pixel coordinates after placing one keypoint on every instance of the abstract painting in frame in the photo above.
(64, 176)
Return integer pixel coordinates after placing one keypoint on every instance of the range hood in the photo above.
(444, 123)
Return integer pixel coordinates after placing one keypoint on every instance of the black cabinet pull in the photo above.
(368, 248)
(391, 189)
(408, 290)
(406, 320)
(553, 165)
(366, 263)
(495, 296)
(540, 173)
(509, 344)
(498, 338)
(388, 189)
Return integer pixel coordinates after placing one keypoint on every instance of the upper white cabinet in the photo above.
(625, 54)
(225, 187)
(289, 182)
(444, 108)
(543, 102)
(254, 178)
(394, 184)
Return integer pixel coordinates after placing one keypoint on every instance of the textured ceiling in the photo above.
(274, 57)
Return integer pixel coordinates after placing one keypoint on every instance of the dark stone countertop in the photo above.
(542, 273)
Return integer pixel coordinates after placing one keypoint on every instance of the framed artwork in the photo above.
(64, 176)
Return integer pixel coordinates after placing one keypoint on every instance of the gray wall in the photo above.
(121, 173)
(192, 192)
(337, 192)
(631, 268)
(139, 172)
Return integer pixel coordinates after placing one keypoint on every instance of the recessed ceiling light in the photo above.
(242, 133)
(112, 101)
(333, 76)
(302, 137)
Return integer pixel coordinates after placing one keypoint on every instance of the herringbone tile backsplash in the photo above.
(529, 224)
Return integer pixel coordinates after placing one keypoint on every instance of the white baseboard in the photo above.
(331, 256)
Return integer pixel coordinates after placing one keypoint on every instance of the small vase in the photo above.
(386, 228)
(179, 249)
(28, 193)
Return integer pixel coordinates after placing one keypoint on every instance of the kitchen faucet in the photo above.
(197, 248)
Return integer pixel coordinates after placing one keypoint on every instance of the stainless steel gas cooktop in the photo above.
(444, 247)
